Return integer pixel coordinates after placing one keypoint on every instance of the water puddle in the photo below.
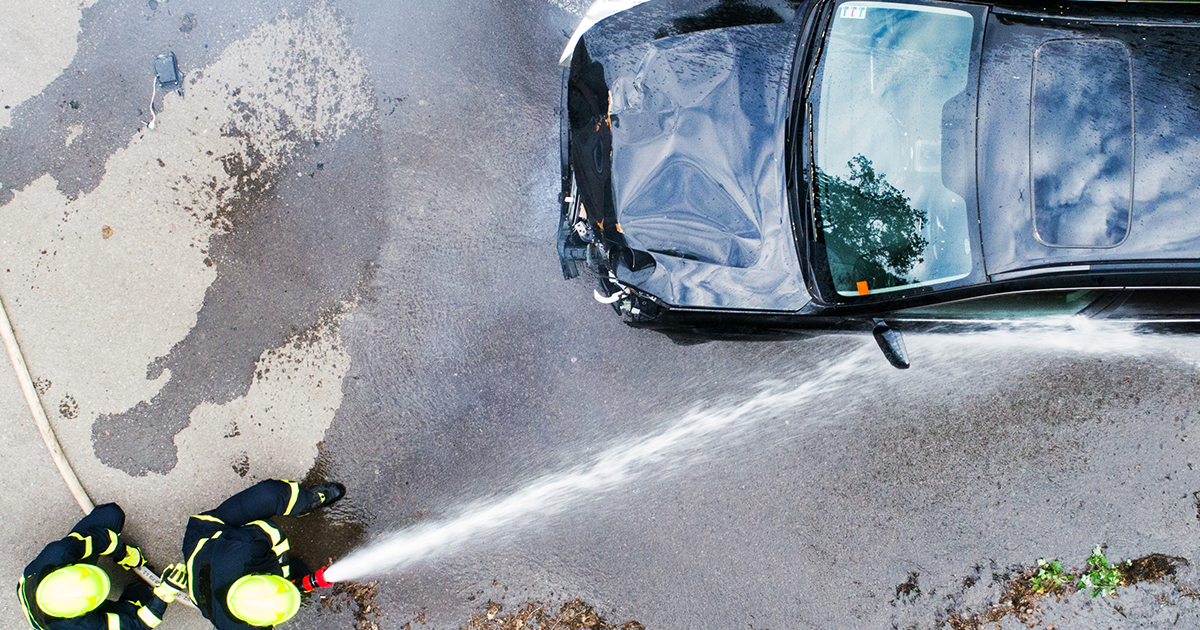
(328, 533)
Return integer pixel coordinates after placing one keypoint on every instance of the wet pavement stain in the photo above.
(296, 250)
(326, 535)
(110, 80)
(322, 537)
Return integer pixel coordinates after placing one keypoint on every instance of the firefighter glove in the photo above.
(174, 580)
(133, 558)
(176, 576)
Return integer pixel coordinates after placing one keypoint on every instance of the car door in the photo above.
(1156, 309)
(1007, 308)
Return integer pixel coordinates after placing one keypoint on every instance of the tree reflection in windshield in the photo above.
(872, 231)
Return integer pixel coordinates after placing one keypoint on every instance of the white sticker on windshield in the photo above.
(853, 12)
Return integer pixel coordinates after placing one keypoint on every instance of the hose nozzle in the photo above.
(314, 581)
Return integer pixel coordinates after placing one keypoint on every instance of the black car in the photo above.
(737, 168)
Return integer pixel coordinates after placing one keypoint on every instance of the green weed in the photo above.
(1049, 577)
(1101, 576)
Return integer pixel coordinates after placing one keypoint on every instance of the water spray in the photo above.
(675, 444)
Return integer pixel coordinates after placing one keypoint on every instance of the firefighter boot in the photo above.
(324, 495)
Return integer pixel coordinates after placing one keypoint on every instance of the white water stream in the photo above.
(608, 470)
(939, 357)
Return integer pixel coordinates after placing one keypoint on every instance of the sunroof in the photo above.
(1081, 143)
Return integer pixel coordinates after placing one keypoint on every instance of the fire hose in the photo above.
(52, 444)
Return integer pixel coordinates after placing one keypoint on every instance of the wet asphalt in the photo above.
(893, 500)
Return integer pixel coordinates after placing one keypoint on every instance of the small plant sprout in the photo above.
(1049, 576)
(1101, 576)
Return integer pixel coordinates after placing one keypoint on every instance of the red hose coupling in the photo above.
(315, 581)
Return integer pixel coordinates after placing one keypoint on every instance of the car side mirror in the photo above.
(892, 344)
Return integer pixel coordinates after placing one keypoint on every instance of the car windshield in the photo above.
(886, 87)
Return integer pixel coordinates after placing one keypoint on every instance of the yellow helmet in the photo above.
(72, 590)
(263, 600)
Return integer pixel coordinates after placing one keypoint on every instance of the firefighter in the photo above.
(62, 589)
(238, 570)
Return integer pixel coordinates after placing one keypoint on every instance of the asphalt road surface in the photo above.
(333, 258)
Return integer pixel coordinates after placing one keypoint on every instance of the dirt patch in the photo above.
(908, 590)
(188, 23)
(1151, 568)
(68, 408)
(1021, 600)
(573, 615)
(359, 598)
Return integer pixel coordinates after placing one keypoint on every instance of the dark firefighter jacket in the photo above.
(236, 539)
(98, 534)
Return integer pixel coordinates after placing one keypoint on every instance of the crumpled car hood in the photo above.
(698, 166)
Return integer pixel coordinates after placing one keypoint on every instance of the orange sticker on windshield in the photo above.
(862, 287)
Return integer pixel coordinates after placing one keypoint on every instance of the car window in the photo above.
(1081, 143)
(889, 74)
(1026, 305)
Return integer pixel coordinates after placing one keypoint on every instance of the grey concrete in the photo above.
(426, 237)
